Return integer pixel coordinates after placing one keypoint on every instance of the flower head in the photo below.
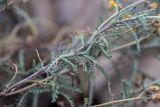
(112, 4)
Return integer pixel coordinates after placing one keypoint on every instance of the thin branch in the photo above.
(34, 83)
(132, 43)
(14, 76)
(40, 60)
(117, 13)
(120, 101)
(27, 87)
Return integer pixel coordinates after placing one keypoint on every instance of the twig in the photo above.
(34, 83)
(40, 60)
(27, 87)
(7, 85)
(16, 71)
(131, 43)
(121, 11)
(120, 101)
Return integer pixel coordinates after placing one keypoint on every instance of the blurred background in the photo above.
(52, 25)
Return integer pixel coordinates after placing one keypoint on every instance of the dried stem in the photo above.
(120, 101)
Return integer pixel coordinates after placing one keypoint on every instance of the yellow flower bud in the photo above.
(112, 4)
(126, 16)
